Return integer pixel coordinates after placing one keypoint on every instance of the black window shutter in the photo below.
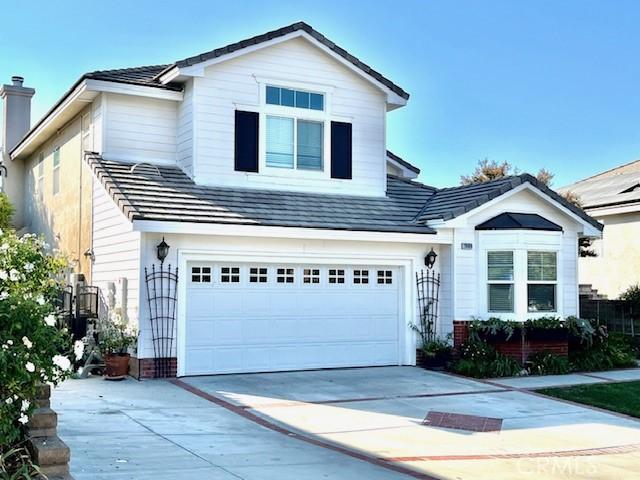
(246, 142)
(341, 161)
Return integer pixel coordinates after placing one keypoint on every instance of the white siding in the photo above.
(140, 129)
(185, 130)
(233, 84)
(469, 272)
(116, 248)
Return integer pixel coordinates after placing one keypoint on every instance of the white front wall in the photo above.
(469, 265)
(403, 258)
(238, 84)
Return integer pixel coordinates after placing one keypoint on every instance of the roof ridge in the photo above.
(282, 31)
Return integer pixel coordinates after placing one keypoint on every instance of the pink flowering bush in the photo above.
(33, 347)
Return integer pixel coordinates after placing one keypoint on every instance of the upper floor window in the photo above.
(56, 170)
(294, 143)
(287, 97)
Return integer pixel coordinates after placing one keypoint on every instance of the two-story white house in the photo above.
(297, 237)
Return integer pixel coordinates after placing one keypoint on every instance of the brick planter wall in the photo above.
(141, 368)
(515, 348)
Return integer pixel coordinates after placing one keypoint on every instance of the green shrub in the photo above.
(602, 356)
(546, 363)
(480, 360)
(16, 464)
(545, 323)
(33, 347)
(6, 212)
(493, 326)
(581, 331)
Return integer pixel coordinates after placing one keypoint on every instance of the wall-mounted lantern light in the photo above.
(163, 250)
(430, 259)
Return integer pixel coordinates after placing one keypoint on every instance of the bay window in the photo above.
(522, 281)
(500, 276)
(542, 277)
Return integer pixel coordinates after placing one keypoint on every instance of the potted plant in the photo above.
(435, 354)
(115, 338)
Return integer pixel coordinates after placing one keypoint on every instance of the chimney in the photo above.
(16, 123)
(16, 112)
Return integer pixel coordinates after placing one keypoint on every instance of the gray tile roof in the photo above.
(619, 186)
(448, 203)
(403, 162)
(145, 76)
(173, 196)
(166, 193)
(280, 32)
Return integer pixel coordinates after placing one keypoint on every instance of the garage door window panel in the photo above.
(311, 276)
(285, 275)
(230, 274)
(200, 274)
(258, 275)
(336, 276)
(361, 277)
(385, 277)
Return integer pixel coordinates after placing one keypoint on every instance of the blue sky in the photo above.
(539, 84)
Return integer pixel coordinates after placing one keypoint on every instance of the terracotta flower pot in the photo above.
(117, 366)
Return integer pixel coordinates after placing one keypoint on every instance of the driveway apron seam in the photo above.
(379, 462)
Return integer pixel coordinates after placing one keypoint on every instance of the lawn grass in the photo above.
(621, 397)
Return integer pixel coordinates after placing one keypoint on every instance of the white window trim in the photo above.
(500, 282)
(527, 241)
(323, 117)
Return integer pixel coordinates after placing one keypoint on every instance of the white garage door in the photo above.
(266, 317)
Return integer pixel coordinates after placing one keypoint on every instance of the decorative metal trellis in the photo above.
(428, 283)
(162, 295)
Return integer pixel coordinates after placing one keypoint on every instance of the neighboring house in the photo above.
(613, 197)
(298, 236)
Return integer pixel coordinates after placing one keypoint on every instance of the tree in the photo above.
(488, 170)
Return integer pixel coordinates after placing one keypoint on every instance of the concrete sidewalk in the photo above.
(545, 381)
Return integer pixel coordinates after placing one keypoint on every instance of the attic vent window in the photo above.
(146, 169)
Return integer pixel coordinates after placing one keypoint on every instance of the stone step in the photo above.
(56, 472)
(43, 418)
(49, 451)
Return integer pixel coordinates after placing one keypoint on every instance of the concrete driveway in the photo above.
(337, 424)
